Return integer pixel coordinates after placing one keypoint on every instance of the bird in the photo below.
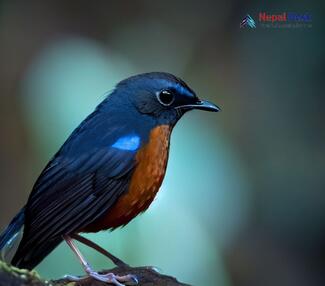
(107, 172)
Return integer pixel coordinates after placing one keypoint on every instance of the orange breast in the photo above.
(151, 162)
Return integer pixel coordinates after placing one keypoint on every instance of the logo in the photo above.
(278, 20)
(248, 21)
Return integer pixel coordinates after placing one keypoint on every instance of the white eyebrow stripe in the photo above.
(129, 142)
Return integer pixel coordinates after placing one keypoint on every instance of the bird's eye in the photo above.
(165, 97)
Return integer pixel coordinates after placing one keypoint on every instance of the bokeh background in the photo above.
(243, 201)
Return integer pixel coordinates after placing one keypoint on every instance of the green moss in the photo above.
(23, 273)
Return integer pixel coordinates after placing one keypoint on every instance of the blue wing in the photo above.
(78, 186)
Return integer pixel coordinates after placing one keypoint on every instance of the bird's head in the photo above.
(162, 96)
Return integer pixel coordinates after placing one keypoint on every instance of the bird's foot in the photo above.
(109, 278)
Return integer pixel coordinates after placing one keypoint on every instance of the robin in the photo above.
(107, 172)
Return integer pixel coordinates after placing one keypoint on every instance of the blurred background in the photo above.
(243, 201)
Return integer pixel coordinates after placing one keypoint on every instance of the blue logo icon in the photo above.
(248, 21)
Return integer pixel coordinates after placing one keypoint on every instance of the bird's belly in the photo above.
(144, 184)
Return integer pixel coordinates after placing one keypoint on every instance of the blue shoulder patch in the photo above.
(129, 142)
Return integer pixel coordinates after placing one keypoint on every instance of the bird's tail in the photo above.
(11, 233)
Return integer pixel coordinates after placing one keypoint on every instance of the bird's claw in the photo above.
(110, 278)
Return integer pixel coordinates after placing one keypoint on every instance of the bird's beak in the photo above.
(202, 105)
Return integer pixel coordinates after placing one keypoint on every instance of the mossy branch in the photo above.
(147, 276)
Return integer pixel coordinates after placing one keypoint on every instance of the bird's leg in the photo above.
(89, 243)
(108, 277)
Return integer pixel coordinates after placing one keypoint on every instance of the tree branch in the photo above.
(147, 276)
